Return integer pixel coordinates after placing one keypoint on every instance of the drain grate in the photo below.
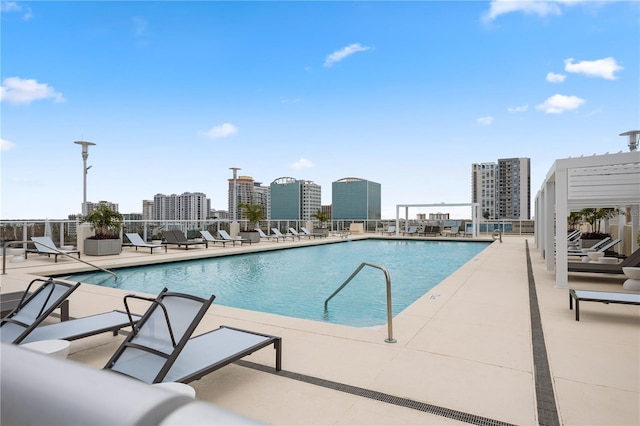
(378, 396)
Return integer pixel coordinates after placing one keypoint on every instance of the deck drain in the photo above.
(378, 396)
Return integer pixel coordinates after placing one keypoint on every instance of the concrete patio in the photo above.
(465, 351)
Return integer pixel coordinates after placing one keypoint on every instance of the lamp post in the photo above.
(85, 155)
(633, 139)
(235, 193)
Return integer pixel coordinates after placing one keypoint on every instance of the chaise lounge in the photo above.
(137, 241)
(161, 349)
(632, 260)
(176, 237)
(23, 324)
(45, 245)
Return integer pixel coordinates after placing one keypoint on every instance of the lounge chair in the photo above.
(602, 297)
(268, 237)
(137, 241)
(33, 308)
(277, 232)
(44, 245)
(412, 230)
(391, 229)
(430, 230)
(161, 349)
(299, 235)
(594, 247)
(606, 268)
(452, 231)
(312, 234)
(211, 239)
(225, 236)
(23, 324)
(601, 249)
(176, 237)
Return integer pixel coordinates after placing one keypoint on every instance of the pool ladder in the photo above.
(390, 338)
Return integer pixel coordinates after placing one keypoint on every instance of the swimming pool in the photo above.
(295, 282)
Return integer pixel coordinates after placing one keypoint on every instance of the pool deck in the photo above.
(465, 352)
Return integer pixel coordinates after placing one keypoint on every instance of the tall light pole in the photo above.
(235, 193)
(634, 136)
(85, 155)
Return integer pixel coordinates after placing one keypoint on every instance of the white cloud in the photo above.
(534, 7)
(12, 6)
(485, 121)
(521, 108)
(221, 131)
(140, 26)
(339, 55)
(302, 164)
(555, 78)
(16, 90)
(6, 145)
(557, 104)
(605, 68)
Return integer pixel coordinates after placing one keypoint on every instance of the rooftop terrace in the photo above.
(494, 343)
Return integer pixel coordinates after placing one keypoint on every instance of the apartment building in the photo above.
(187, 206)
(247, 191)
(502, 189)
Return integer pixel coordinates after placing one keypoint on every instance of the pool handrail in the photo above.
(389, 338)
(9, 243)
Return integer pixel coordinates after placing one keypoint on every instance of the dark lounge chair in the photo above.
(161, 349)
(23, 324)
(605, 268)
(177, 238)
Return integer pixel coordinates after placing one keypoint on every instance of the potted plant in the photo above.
(254, 214)
(106, 224)
(322, 217)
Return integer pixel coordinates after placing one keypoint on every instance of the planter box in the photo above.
(252, 236)
(102, 247)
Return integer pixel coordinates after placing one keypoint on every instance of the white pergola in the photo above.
(474, 213)
(599, 181)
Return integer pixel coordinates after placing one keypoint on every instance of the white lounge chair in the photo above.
(225, 236)
(45, 245)
(297, 234)
(391, 229)
(277, 232)
(268, 237)
(137, 241)
(211, 239)
(410, 231)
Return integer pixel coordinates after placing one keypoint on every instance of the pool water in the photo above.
(296, 282)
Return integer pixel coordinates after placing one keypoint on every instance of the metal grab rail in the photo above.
(390, 338)
(9, 243)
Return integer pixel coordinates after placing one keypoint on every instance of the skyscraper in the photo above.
(355, 198)
(187, 206)
(502, 189)
(249, 192)
(293, 199)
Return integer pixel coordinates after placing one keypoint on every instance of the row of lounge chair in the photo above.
(160, 347)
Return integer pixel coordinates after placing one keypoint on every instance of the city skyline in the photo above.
(406, 94)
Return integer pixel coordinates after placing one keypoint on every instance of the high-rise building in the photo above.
(91, 206)
(483, 192)
(514, 188)
(502, 189)
(293, 199)
(356, 199)
(187, 206)
(147, 209)
(248, 191)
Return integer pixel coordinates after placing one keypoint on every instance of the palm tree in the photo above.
(253, 213)
(321, 216)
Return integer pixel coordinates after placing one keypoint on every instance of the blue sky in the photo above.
(407, 94)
